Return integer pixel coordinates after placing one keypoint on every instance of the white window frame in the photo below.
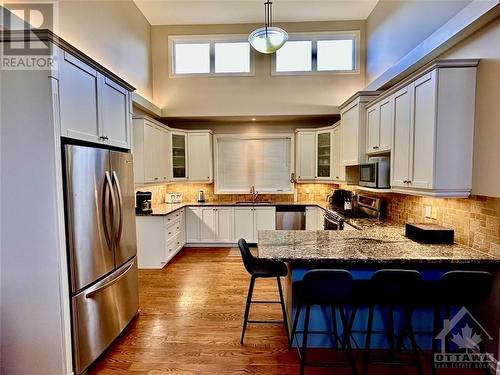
(314, 37)
(211, 40)
(249, 137)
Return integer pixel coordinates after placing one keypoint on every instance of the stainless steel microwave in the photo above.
(376, 173)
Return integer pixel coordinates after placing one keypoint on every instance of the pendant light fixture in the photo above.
(268, 39)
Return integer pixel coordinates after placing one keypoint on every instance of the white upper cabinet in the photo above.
(78, 100)
(401, 147)
(324, 155)
(115, 113)
(200, 158)
(179, 155)
(379, 119)
(338, 170)
(151, 152)
(93, 107)
(433, 130)
(353, 117)
(306, 155)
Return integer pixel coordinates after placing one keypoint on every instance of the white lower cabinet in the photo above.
(226, 225)
(159, 238)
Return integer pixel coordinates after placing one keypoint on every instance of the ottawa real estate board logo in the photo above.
(463, 343)
(22, 47)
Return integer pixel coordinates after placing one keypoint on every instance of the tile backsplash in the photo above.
(476, 220)
(189, 191)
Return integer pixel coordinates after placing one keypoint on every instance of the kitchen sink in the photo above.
(252, 202)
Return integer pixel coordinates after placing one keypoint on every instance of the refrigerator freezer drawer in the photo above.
(102, 311)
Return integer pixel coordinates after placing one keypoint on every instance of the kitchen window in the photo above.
(261, 161)
(318, 53)
(211, 56)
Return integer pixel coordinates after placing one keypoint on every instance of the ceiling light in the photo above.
(268, 39)
(253, 118)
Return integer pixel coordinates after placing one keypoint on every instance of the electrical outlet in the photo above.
(428, 212)
(435, 213)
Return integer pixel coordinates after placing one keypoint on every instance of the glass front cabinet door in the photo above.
(324, 154)
(179, 154)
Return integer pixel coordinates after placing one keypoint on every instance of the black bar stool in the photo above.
(259, 268)
(325, 287)
(456, 289)
(392, 289)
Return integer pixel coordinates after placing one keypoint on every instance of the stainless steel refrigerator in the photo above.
(102, 247)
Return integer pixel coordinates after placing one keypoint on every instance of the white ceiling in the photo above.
(185, 12)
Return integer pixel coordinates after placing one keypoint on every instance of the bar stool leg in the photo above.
(435, 331)
(347, 340)
(282, 302)
(368, 337)
(390, 330)
(304, 340)
(295, 322)
(334, 327)
(408, 312)
(247, 307)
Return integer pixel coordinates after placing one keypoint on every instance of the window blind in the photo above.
(260, 162)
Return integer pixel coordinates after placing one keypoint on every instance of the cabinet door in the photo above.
(193, 219)
(311, 218)
(224, 221)
(113, 101)
(264, 219)
(153, 143)
(385, 119)
(163, 155)
(244, 224)
(179, 155)
(372, 129)
(208, 229)
(324, 155)
(78, 100)
(338, 170)
(200, 157)
(350, 135)
(422, 141)
(306, 155)
(320, 218)
(401, 144)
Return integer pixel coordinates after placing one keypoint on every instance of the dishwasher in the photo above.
(292, 217)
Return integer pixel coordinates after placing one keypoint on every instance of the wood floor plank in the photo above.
(190, 320)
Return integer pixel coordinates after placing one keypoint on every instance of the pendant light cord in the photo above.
(268, 14)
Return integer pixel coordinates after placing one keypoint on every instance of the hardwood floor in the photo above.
(190, 320)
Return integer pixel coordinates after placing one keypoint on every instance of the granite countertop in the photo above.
(167, 208)
(377, 243)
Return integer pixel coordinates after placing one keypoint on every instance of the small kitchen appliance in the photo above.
(143, 202)
(201, 196)
(375, 173)
(429, 233)
(173, 198)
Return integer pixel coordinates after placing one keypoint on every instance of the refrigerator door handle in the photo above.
(109, 283)
(107, 210)
(120, 208)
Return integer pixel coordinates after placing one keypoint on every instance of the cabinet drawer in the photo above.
(173, 245)
(177, 215)
(173, 229)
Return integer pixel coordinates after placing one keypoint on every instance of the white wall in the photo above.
(114, 33)
(262, 94)
(395, 27)
(484, 44)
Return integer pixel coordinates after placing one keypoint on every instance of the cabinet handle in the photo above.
(375, 147)
(337, 177)
(103, 137)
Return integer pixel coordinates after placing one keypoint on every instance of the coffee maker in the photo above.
(143, 202)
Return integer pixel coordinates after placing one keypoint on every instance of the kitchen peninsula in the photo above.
(376, 245)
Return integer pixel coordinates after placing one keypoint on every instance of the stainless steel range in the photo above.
(363, 207)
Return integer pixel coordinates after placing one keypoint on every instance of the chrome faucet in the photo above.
(254, 193)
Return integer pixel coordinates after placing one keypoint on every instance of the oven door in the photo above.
(330, 224)
(368, 175)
